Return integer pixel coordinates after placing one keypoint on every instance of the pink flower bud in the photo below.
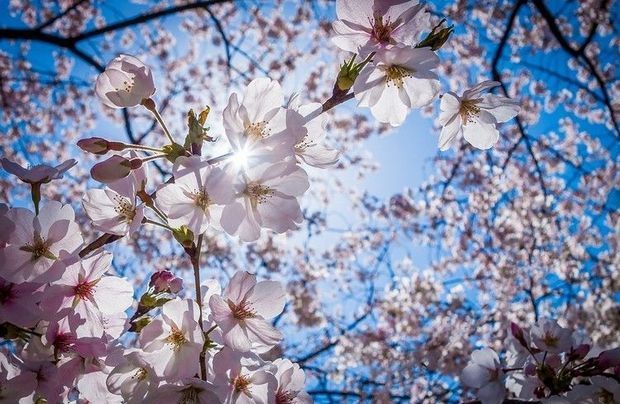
(608, 359)
(165, 281)
(112, 169)
(517, 332)
(125, 82)
(95, 145)
(579, 352)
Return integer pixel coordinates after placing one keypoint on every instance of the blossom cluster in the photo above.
(64, 308)
(546, 363)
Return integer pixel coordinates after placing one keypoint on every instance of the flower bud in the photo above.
(348, 74)
(114, 168)
(579, 352)
(165, 281)
(530, 369)
(184, 236)
(517, 332)
(125, 82)
(94, 145)
(437, 38)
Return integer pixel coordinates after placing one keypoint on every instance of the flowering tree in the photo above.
(149, 283)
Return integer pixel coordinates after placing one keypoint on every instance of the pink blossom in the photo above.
(291, 383)
(367, 25)
(548, 336)
(39, 174)
(191, 391)
(243, 310)
(85, 288)
(114, 168)
(175, 339)
(125, 82)
(197, 196)
(165, 281)
(39, 244)
(19, 303)
(484, 372)
(266, 197)
(133, 378)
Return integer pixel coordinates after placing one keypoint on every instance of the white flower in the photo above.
(548, 336)
(266, 197)
(484, 372)
(175, 339)
(133, 378)
(115, 209)
(291, 383)
(367, 25)
(194, 391)
(84, 288)
(197, 196)
(125, 82)
(243, 378)
(398, 79)
(476, 114)
(243, 310)
(39, 243)
(258, 128)
(311, 148)
(39, 174)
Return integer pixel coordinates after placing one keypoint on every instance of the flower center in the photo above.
(84, 290)
(550, 340)
(176, 339)
(63, 342)
(468, 111)
(285, 397)
(396, 75)
(201, 199)
(140, 374)
(257, 130)
(381, 31)
(303, 145)
(127, 86)
(124, 208)
(258, 193)
(242, 310)
(241, 384)
(39, 248)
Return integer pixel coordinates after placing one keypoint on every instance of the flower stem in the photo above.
(196, 265)
(142, 147)
(36, 196)
(165, 226)
(150, 105)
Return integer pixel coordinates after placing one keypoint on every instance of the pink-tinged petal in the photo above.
(232, 216)
(249, 228)
(477, 90)
(268, 298)
(449, 132)
(261, 97)
(96, 265)
(262, 332)
(237, 338)
(503, 109)
(150, 334)
(369, 86)
(356, 11)
(113, 295)
(239, 286)
(475, 375)
(22, 220)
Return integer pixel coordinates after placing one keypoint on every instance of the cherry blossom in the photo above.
(291, 383)
(476, 114)
(133, 378)
(399, 79)
(243, 379)
(116, 210)
(39, 244)
(175, 339)
(258, 128)
(197, 196)
(364, 26)
(548, 336)
(266, 197)
(39, 174)
(125, 82)
(91, 294)
(484, 373)
(311, 149)
(243, 310)
(165, 281)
